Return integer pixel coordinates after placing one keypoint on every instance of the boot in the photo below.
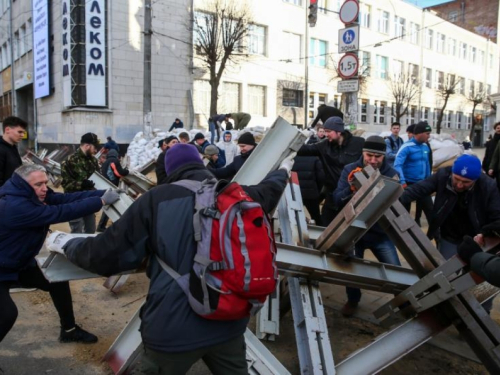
(77, 334)
(349, 309)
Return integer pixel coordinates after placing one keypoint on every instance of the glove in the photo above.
(110, 197)
(467, 249)
(287, 163)
(491, 230)
(87, 185)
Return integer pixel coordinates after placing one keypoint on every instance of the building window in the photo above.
(5, 56)
(412, 112)
(292, 47)
(292, 98)
(27, 39)
(449, 120)
(463, 51)
(472, 86)
(317, 52)
(256, 40)
(5, 106)
(473, 54)
(453, 16)
(382, 67)
(379, 112)
(1, 59)
(452, 46)
(469, 122)
(480, 88)
(16, 45)
(364, 110)
(491, 60)
(413, 71)
(313, 105)
(397, 69)
(22, 40)
(439, 80)
(202, 90)
(257, 100)
(488, 90)
(364, 69)
(429, 38)
(461, 85)
(460, 116)
(231, 97)
(441, 42)
(414, 32)
(425, 113)
(428, 78)
(294, 2)
(399, 27)
(383, 21)
(364, 15)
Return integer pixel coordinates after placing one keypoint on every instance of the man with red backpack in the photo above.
(164, 225)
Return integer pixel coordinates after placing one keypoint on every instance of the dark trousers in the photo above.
(329, 211)
(228, 358)
(312, 206)
(33, 278)
(425, 204)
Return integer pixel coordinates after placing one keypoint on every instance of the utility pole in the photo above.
(146, 104)
(12, 76)
(306, 74)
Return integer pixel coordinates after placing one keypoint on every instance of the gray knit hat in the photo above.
(375, 144)
(334, 123)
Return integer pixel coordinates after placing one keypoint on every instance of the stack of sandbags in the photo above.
(445, 150)
(142, 151)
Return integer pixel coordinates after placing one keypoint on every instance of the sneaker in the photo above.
(349, 309)
(77, 335)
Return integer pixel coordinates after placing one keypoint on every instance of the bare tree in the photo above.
(476, 98)
(220, 31)
(404, 88)
(445, 91)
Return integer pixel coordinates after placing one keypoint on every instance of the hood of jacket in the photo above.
(112, 153)
(224, 137)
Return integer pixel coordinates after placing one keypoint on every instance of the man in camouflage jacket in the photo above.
(76, 172)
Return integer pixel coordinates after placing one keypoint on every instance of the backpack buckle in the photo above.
(217, 266)
(210, 212)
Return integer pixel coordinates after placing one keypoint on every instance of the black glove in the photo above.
(87, 185)
(468, 248)
(491, 229)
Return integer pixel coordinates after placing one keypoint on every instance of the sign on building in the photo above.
(41, 62)
(95, 57)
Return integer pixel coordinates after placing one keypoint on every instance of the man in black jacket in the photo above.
(339, 149)
(325, 112)
(160, 161)
(246, 143)
(161, 222)
(491, 145)
(14, 129)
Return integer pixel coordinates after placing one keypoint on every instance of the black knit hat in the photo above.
(160, 143)
(170, 139)
(375, 144)
(247, 139)
(410, 129)
(199, 136)
(91, 139)
(334, 123)
(422, 127)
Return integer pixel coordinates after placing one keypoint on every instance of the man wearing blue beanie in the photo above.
(466, 201)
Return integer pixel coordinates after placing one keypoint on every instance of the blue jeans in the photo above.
(383, 249)
(213, 128)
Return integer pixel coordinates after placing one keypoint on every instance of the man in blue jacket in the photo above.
(413, 163)
(160, 223)
(27, 209)
(375, 239)
(393, 143)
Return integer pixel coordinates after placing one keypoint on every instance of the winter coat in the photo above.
(392, 147)
(487, 266)
(9, 160)
(230, 170)
(413, 162)
(335, 157)
(112, 169)
(311, 176)
(161, 222)
(76, 169)
(161, 174)
(483, 200)
(230, 149)
(112, 145)
(175, 125)
(491, 146)
(325, 112)
(25, 221)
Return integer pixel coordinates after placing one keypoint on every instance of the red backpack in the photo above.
(234, 268)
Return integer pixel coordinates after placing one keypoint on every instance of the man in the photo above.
(113, 171)
(393, 143)
(213, 157)
(325, 112)
(184, 137)
(76, 172)
(318, 137)
(174, 336)
(27, 208)
(413, 164)
(246, 143)
(409, 131)
(160, 161)
(111, 145)
(230, 149)
(490, 147)
(339, 149)
(14, 129)
(215, 125)
(200, 142)
(177, 124)
(374, 155)
(241, 119)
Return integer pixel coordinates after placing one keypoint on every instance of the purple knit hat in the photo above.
(179, 155)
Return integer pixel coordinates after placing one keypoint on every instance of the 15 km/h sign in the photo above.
(349, 39)
(348, 66)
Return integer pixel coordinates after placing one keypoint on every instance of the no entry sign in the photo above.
(349, 11)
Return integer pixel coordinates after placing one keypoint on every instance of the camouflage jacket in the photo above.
(77, 168)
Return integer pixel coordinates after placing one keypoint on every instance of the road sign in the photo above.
(348, 66)
(349, 11)
(349, 85)
(349, 39)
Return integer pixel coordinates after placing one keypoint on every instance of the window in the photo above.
(256, 40)
(16, 45)
(1, 61)
(491, 60)
(472, 86)
(202, 90)
(230, 97)
(461, 85)
(469, 122)
(364, 110)
(292, 98)
(488, 89)
(441, 42)
(364, 15)
(428, 78)
(425, 113)
(460, 118)
(413, 71)
(365, 64)
(399, 27)
(379, 112)
(397, 69)
(294, 2)
(322, 6)
(381, 67)
(436, 115)
(22, 41)
(480, 88)
(257, 100)
(414, 32)
(429, 38)
(292, 47)
(449, 120)
(383, 22)
(5, 56)
(393, 112)
(480, 58)
(453, 16)
(473, 54)
(313, 104)
(439, 80)
(27, 39)
(463, 51)
(317, 52)
(452, 46)
(410, 117)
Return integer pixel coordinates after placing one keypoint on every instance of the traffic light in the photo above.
(313, 12)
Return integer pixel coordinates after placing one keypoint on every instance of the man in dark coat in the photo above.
(160, 223)
(325, 112)
(246, 143)
(374, 152)
(160, 161)
(27, 209)
(14, 129)
(199, 142)
(339, 149)
(491, 145)
(177, 124)
(111, 145)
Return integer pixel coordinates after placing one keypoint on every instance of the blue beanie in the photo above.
(334, 123)
(179, 155)
(467, 166)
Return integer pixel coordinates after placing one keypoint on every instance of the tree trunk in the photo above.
(441, 114)
(473, 123)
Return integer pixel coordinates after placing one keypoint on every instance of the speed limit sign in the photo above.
(348, 66)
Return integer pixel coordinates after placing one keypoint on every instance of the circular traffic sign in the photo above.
(349, 11)
(348, 66)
